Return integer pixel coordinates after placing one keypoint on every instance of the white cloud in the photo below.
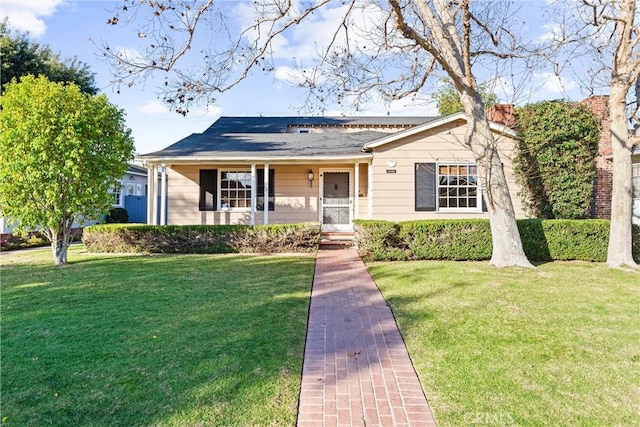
(152, 107)
(297, 76)
(551, 32)
(26, 15)
(555, 85)
(130, 55)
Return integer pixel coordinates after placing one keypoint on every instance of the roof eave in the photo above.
(497, 127)
(206, 159)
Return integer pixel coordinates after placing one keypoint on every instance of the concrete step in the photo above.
(335, 239)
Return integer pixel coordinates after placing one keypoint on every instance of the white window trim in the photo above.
(120, 203)
(219, 189)
(477, 209)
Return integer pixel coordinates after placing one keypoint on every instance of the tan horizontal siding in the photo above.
(395, 192)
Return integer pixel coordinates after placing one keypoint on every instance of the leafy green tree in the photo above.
(21, 57)
(448, 99)
(61, 151)
(555, 160)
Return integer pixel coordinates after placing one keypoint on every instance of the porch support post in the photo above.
(163, 196)
(356, 192)
(254, 198)
(370, 191)
(151, 192)
(266, 194)
(154, 199)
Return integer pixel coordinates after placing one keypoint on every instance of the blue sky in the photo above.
(77, 28)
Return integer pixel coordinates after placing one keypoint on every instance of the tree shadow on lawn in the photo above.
(155, 341)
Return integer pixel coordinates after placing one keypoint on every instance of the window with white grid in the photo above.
(458, 187)
(235, 189)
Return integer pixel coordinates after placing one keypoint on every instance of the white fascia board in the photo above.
(241, 159)
(498, 127)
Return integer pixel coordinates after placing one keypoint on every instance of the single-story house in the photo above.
(265, 170)
(337, 169)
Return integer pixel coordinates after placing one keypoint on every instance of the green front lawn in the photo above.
(187, 340)
(152, 340)
(559, 345)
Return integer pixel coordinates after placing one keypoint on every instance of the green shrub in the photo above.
(379, 239)
(139, 238)
(543, 240)
(448, 239)
(547, 240)
(554, 159)
(117, 216)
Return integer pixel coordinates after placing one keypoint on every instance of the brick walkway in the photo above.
(357, 371)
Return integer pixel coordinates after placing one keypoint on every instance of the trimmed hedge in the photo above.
(460, 240)
(202, 239)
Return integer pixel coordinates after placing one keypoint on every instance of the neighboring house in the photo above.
(132, 190)
(133, 183)
(601, 206)
(262, 170)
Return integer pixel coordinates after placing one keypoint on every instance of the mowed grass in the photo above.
(152, 340)
(555, 346)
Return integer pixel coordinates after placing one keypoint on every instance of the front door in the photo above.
(335, 201)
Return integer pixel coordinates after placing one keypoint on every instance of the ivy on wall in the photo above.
(555, 160)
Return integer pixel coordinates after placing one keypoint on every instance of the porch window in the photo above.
(447, 187)
(232, 188)
(235, 189)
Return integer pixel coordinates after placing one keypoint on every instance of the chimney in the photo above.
(599, 104)
(502, 113)
(603, 185)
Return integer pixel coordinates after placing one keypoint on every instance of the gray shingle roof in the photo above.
(258, 137)
(280, 124)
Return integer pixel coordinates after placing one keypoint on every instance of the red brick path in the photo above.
(357, 371)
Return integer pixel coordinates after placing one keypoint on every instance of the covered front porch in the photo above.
(333, 192)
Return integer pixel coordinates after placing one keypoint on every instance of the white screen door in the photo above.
(336, 201)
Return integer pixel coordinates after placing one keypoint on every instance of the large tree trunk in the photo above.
(619, 252)
(507, 244)
(60, 239)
